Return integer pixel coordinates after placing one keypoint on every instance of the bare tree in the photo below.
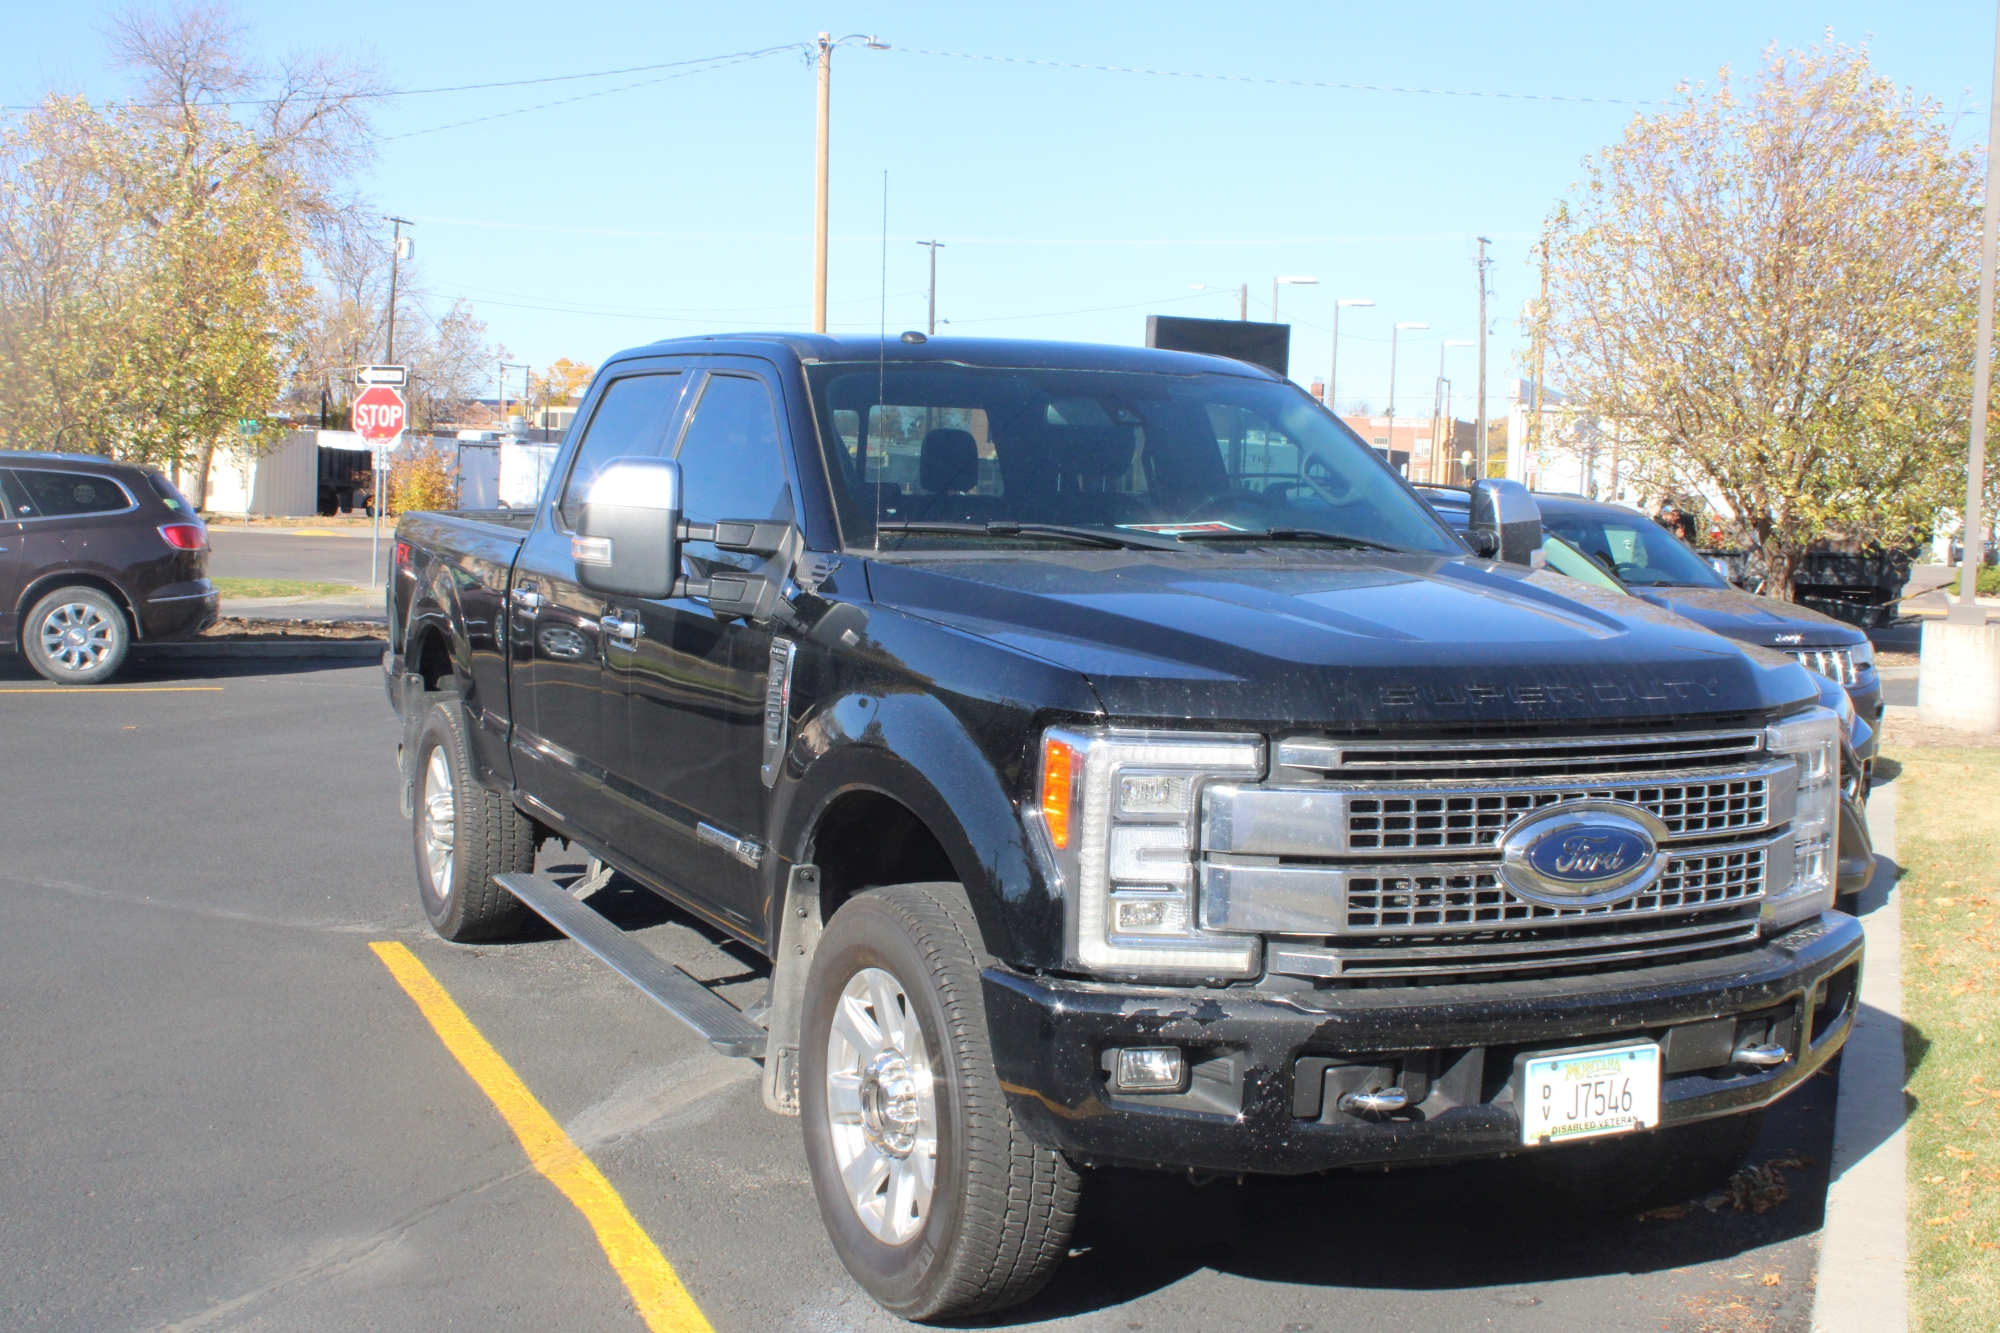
(1769, 298)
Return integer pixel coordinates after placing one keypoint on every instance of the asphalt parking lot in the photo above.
(223, 1112)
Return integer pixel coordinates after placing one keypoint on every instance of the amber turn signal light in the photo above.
(1058, 768)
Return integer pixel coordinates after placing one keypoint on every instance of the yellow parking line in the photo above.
(115, 689)
(656, 1290)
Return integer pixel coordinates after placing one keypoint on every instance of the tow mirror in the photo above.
(1506, 523)
(628, 542)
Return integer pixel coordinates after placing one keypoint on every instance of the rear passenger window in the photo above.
(56, 494)
(630, 422)
(14, 498)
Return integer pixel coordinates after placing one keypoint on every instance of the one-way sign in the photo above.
(394, 376)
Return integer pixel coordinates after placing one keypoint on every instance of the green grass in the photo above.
(1948, 841)
(282, 588)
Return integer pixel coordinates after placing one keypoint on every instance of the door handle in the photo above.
(614, 627)
(528, 600)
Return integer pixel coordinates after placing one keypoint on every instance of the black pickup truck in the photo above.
(1121, 766)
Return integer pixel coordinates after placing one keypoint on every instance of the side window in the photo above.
(15, 499)
(630, 421)
(64, 493)
(731, 463)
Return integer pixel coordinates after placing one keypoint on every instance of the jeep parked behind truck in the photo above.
(1120, 765)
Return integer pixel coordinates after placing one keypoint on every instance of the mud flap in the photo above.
(798, 936)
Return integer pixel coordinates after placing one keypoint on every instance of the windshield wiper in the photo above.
(1001, 527)
(1293, 535)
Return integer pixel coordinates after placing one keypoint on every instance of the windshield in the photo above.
(936, 452)
(1636, 549)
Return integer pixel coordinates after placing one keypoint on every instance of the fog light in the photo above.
(1148, 1069)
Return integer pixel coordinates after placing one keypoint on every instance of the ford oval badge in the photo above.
(1582, 853)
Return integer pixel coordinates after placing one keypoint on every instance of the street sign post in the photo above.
(379, 417)
(394, 376)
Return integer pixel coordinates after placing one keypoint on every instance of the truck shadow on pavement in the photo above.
(1471, 1225)
(1477, 1224)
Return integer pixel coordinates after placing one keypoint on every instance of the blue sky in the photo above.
(1072, 203)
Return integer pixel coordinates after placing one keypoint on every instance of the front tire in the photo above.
(76, 636)
(935, 1199)
(464, 835)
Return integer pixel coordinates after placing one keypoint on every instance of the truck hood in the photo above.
(1753, 619)
(1340, 639)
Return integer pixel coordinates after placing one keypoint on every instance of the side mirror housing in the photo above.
(1506, 523)
(628, 542)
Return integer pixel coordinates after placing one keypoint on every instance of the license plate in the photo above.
(1583, 1094)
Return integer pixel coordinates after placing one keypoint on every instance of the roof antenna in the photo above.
(882, 366)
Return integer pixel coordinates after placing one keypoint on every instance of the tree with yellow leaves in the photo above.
(1769, 296)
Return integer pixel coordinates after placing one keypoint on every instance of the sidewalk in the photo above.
(1864, 1245)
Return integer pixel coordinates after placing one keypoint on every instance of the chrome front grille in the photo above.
(1464, 821)
(1377, 904)
(1382, 859)
(1833, 663)
(1501, 952)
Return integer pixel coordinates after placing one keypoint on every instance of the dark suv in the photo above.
(93, 556)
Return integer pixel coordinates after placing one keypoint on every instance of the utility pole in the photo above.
(1968, 611)
(1479, 445)
(1441, 410)
(1541, 354)
(395, 256)
(930, 328)
(819, 181)
(1243, 303)
(1333, 365)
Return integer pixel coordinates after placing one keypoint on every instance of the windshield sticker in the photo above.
(1176, 529)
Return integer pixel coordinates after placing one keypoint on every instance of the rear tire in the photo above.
(464, 836)
(1653, 1170)
(953, 1209)
(76, 636)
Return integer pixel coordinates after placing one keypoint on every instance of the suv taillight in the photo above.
(185, 536)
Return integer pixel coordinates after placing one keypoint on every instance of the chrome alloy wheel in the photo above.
(77, 636)
(881, 1106)
(440, 819)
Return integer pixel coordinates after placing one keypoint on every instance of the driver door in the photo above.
(695, 681)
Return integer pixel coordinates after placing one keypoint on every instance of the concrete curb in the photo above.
(1864, 1245)
(356, 649)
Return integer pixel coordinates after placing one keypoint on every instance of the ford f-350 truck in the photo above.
(1120, 765)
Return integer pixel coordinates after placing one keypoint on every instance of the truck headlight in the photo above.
(1117, 818)
(1812, 740)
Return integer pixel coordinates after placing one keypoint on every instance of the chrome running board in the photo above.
(719, 1023)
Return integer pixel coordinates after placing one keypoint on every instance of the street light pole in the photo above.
(1441, 408)
(1393, 332)
(1968, 611)
(930, 328)
(1287, 282)
(1479, 445)
(1333, 366)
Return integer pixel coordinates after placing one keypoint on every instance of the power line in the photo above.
(479, 87)
(1284, 83)
(717, 62)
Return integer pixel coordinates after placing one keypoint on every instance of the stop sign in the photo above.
(379, 414)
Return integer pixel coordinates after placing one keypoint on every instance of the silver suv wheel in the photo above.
(881, 1107)
(77, 636)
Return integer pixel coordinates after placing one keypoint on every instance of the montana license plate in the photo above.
(1582, 1094)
